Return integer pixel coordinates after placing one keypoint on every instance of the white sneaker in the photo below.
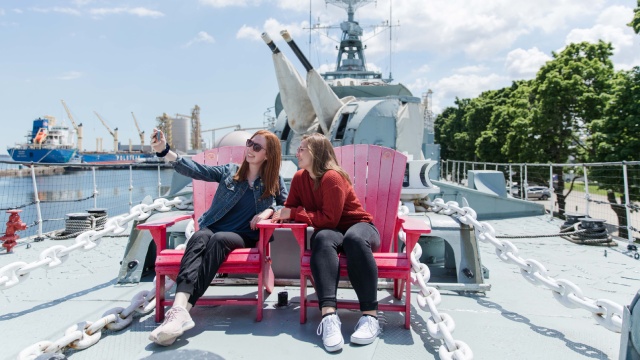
(366, 331)
(331, 334)
(176, 322)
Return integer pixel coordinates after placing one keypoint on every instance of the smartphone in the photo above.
(158, 135)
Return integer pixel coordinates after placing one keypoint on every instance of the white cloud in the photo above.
(70, 75)
(60, 10)
(1, 12)
(463, 86)
(273, 28)
(248, 32)
(611, 27)
(138, 11)
(524, 64)
(18, 11)
(227, 3)
(326, 67)
(202, 37)
(472, 69)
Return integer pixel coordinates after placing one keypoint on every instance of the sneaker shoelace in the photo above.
(329, 327)
(171, 315)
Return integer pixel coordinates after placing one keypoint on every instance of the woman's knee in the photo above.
(326, 239)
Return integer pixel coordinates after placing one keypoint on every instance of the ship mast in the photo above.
(351, 61)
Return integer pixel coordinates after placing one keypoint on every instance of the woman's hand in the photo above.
(262, 216)
(281, 215)
(158, 141)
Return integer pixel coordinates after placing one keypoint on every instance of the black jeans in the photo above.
(205, 253)
(358, 244)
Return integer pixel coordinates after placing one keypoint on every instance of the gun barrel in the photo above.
(270, 43)
(296, 50)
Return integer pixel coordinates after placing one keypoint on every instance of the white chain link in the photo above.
(439, 325)
(606, 312)
(17, 272)
(85, 334)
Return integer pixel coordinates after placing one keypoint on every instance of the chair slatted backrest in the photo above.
(203, 191)
(377, 174)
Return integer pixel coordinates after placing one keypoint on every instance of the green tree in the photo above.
(616, 137)
(635, 23)
(571, 91)
(513, 106)
(450, 132)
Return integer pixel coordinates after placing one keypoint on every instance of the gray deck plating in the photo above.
(515, 320)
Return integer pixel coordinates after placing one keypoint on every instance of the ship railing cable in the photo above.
(48, 201)
(439, 325)
(606, 312)
(18, 272)
(87, 333)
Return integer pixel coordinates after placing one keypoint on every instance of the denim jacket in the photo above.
(229, 191)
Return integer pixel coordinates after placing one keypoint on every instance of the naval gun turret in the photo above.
(352, 105)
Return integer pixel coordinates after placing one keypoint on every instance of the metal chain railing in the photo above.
(87, 333)
(606, 312)
(17, 272)
(439, 325)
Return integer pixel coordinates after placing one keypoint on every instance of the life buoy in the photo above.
(40, 136)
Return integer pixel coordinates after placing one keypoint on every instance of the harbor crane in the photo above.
(141, 133)
(78, 127)
(113, 133)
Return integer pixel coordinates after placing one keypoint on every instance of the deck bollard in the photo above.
(14, 224)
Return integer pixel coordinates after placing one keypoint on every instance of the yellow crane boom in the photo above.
(113, 133)
(141, 133)
(78, 127)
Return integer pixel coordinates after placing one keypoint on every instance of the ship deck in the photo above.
(514, 320)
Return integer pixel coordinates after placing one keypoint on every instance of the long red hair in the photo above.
(323, 157)
(270, 169)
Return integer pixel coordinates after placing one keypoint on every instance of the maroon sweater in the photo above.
(333, 205)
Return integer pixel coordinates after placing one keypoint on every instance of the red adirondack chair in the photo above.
(240, 261)
(377, 174)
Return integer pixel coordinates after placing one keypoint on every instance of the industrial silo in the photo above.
(181, 134)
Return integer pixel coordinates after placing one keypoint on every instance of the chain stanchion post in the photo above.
(95, 187)
(626, 203)
(446, 172)
(130, 186)
(464, 171)
(510, 180)
(552, 193)
(521, 184)
(586, 188)
(525, 185)
(159, 182)
(36, 198)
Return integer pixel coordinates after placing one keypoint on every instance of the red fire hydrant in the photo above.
(14, 224)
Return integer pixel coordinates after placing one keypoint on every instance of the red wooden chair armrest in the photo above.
(158, 229)
(413, 228)
(299, 231)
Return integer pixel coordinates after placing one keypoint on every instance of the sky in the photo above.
(152, 57)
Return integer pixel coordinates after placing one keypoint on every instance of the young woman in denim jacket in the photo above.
(247, 194)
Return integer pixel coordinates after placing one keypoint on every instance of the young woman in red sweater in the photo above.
(322, 196)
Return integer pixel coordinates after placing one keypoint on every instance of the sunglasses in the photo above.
(256, 147)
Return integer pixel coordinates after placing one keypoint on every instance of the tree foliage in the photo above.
(635, 23)
(577, 108)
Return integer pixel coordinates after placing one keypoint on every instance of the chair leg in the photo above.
(261, 284)
(160, 283)
(407, 301)
(400, 288)
(303, 299)
(269, 281)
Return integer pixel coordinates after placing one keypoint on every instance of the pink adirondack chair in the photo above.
(240, 261)
(377, 174)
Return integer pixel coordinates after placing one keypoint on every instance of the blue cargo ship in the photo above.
(46, 143)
